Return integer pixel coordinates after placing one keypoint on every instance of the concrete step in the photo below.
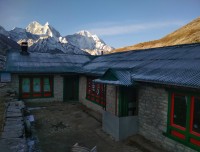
(143, 144)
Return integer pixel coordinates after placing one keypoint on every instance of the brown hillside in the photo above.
(189, 33)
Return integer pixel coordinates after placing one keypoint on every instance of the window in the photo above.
(26, 87)
(184, 119)
(96, 92)
(178, 117)
(31, 86)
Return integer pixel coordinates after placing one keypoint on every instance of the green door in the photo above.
(71, 87)
(127, 101)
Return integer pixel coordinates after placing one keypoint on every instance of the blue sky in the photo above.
(118, 22)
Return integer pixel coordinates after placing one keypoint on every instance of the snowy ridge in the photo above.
(46, 30)
(88, 42)
(45, 38)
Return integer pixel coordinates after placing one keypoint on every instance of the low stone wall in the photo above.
(82, 96)
(153, 106)
(120, 127)
(112, 99)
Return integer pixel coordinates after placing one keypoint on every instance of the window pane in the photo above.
(25, 85)
(46, 84)
(180, 110)
(196, 114)
(36, 85)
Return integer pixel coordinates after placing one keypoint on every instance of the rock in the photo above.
(13, 145)
(12, 134)
(14, 127)
(13, 114)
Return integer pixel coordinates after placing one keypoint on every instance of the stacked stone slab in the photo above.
(13, 135)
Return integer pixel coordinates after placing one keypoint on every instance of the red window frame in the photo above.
(96, 92)
(39, 94)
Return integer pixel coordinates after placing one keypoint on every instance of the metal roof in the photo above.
(175, 65)
(45, 62)
(121, 77)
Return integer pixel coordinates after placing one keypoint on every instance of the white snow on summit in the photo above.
(88, 42)
(46, 30)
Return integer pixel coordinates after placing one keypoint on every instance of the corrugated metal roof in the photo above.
(174, 65)
(45, 62)
(123, 77)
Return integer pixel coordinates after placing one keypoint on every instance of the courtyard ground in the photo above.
(60, 125)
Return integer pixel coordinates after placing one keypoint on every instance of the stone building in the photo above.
(153, 92)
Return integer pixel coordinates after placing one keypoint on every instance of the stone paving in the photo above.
(13, 135)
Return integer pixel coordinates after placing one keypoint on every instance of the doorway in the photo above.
(71, 88)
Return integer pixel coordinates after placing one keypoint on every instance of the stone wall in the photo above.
(58, 89)
(153, 106)
(82, 95)
(112, 99)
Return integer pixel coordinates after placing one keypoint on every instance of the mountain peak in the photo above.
(34, 23)
(46, 30)
(84, 33)
(47, 23)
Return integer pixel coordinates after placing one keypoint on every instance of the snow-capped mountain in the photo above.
(88, 42)
(52, 45)
(45, 38)
(46, 30)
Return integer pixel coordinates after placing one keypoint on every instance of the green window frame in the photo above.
(35, 86)
(183, 123)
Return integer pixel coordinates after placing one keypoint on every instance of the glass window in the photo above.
(196, 116)
(47, 85)
(180, 110)
(25, 85)
(36, 85)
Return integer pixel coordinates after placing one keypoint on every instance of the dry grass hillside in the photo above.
(189, 33)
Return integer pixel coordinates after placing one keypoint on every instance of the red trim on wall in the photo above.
(116, 101)
(177, 134)
(192, 118)
(172, 114)
(172, 110)
(195, 142)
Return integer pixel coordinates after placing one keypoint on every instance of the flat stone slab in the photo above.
(12, 134)
(14, 119)
(13, 145)
(13, 109)
(13, 127)
(12, 123)
(13, 114)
